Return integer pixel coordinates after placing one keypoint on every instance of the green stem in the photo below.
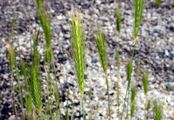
(82, 106)
(107, 85)
(118, 91)
(124, 102)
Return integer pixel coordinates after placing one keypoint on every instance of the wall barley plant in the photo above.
(118, 19)
(126, 98)
(157, 111)
(158, 2)
(145, 87)
(35, 81)
(101, 46)
(49, 59)
(46, 26)
(12, 57)
(139, 5)
(145, 82)
(78, 47)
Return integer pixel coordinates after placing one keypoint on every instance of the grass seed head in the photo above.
(101, 46)
(78, 47)
(11, 55)
(139, 5)
(145, 82)
(157, 111)
(118, 19)
(129, 72)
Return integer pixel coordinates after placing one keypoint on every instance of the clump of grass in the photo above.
(78, 46)
(139, 5)
(27, 96)
(118, 19)
(158, 2)
(101, 46)
(49, 59)
(157, 110)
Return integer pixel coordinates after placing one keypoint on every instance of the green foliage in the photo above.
(117, 57)
(118, 77)
(145, 82)
(78, 47)
(118, 19)
(139, 5)
(101, 46)
(35, 83)
(148, 105)
(129, 72)
(157, 111)
(11, 56)
(158, 2)
(46, 26)
(133, 101)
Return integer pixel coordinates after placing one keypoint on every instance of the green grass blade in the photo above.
(117, 57)
(78, 47)
(158, 2)
(118, 19)
(129, 72)
(157, 111)
(101, 46)
(139, 5)
(133, 101)
(145, 82)
(118, 78)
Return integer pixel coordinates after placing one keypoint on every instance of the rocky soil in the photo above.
(155, 51)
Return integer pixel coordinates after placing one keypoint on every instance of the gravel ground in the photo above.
(155, 50)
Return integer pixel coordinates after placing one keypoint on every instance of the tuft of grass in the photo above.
(118, 19)
(101, 46)
(157, 111)
(46, 26)
(133, 101)
(139, 5)
(145, 82)
(158, 2)
(78, 46)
